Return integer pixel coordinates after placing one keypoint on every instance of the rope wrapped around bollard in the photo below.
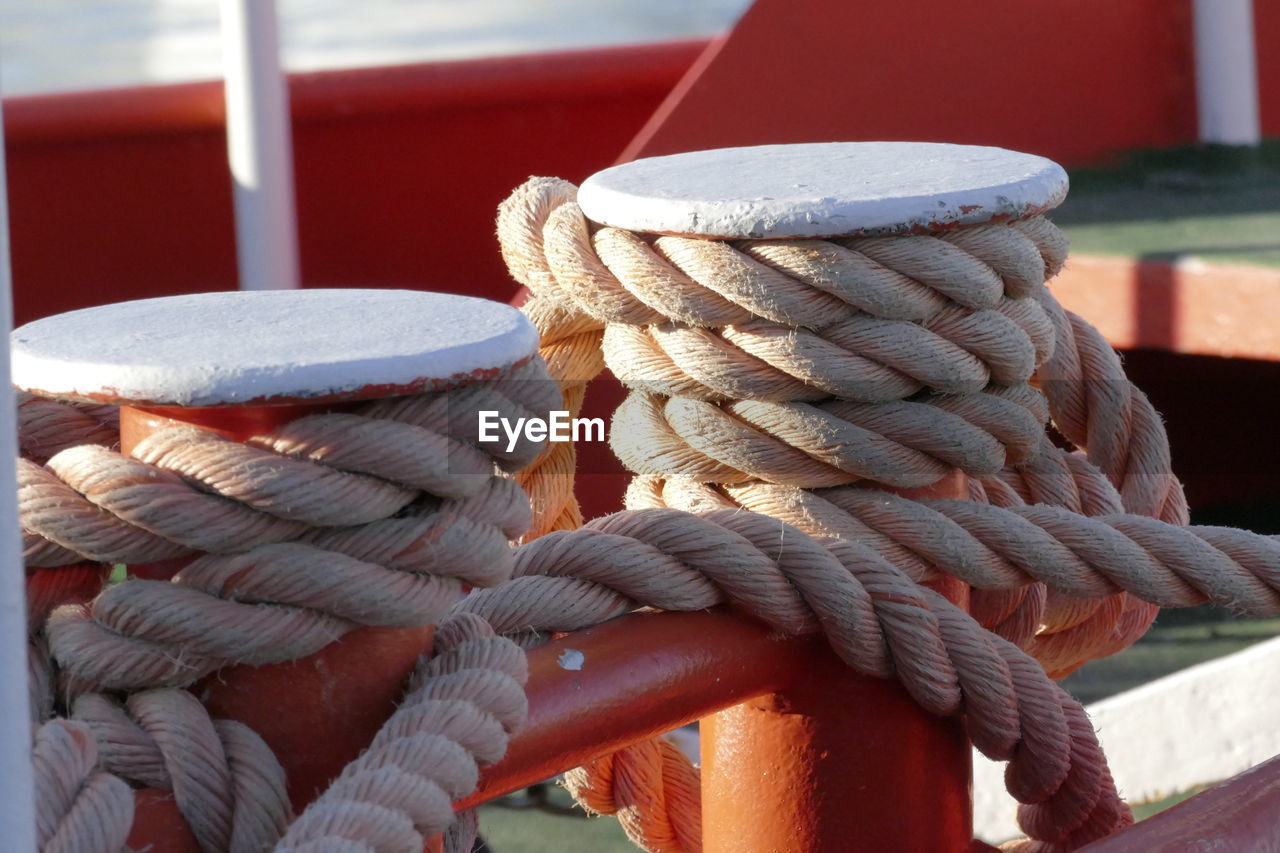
(771, 381)
(763, 375)
(369, 517)
(876, 619)
(271, 518)
(552, 249)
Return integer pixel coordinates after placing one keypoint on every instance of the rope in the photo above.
(651, 788)
(401, 561)
(876, 619)
(760, 372)
(583, 275)
(1082, 560)
(995, 548)
(285, 601)
(570, 346)
(47, 426)
(224, 778)
(184, 490)
(376, 517)
(733, 352)
(457, 717)
(79, 808)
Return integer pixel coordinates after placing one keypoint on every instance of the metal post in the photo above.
(796, 770)
(1226, 72)
(259, 146)
(694, 664)
(831, 762)
(17, 801)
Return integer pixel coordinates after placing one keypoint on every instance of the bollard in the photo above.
(240, 364)
(833, 762)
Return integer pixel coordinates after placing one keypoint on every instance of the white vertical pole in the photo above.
(259, 146)
(1226, 72)
(17, 797)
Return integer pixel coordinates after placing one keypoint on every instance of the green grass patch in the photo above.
(1234, 238)
(1168, 647)
(1217, 205)
(527, 831)
(1142, 811)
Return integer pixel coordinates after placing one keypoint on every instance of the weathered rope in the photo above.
(183, 490)
(584, 276)
(991, 547)
(570, 346)
(651, 788)
(285, 601)
(903, 443)
(224, 778)
(734, 349)
(330, 522)
(462, 706)
(79, 807)
(723, 346)
(48, 426)
(876, 619)
(1059, 630)
(411, 544)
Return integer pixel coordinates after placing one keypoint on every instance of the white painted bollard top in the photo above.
(826, 189)
(210, 349)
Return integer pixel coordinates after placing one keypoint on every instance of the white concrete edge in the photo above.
(1197, 726)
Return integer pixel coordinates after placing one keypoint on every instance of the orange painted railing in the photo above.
(648, 673)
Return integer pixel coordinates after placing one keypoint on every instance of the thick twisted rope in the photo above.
(584, 281)
(461, 708)
(1060, 631)
(726, 347)
(904, 443)
(875, 617)
(993, 547)
(325, 524)
(48, 426)
(79, 807)
(581, 274)
(183, 490)
(444, 519)
(224, 778)
(977, 318)
(651, 788)
(285, 601)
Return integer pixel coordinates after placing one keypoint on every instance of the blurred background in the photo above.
(60, 45)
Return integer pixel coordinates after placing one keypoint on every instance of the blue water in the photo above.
(59, 45)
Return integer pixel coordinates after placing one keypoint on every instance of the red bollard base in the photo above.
(318, 713)
(158, 825)
(837, 762)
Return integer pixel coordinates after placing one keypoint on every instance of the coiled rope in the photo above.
(770, 375)
(875, 618)
(581, 279)
(377, 516)
(310, 501)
